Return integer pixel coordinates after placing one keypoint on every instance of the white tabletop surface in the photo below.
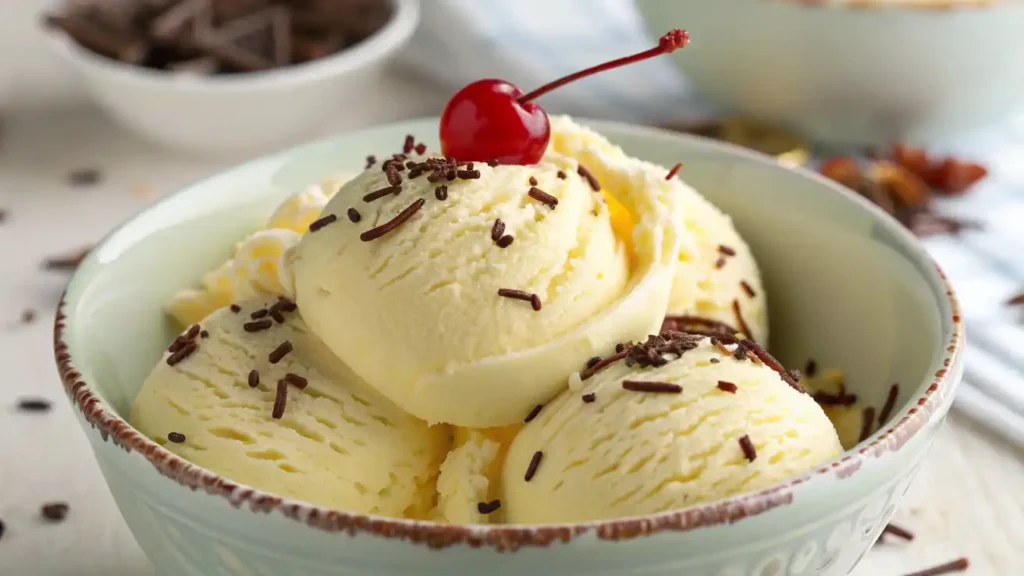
(967, 501)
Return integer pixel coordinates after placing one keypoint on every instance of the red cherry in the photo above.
(493, 119)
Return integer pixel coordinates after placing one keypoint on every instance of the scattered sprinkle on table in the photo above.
(176, 437)
(727, 387)
(898, 532)
(322, 222)
(488, 507)
(390, 225)
(531, 470)
(748, 448)
(85, 177)
(34, 405)
(55, 511)
(958, 565)
(280, 352)
(66, 262)
(3, 528)
(3, 215)
(651, 387)
(514, 294)
(28, 316)
(533, 413)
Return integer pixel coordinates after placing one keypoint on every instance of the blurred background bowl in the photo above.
(241, 112)
(847, 73)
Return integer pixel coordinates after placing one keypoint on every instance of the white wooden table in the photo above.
(967, 501)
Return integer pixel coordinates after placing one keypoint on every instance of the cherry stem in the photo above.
(674, 40)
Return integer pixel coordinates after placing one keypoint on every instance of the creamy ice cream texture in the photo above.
(337, 442)
(417, 312)
(255, 268)
(624, 452)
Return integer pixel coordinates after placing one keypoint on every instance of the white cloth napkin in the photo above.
(530, 42)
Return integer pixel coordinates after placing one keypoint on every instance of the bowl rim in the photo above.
(890, 437)
(382, 44)
(923, 7)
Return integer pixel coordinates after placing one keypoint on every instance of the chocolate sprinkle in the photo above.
(254, 378)
(532, 181)
(85, 177)
(258, 325)
(696, 325)
(748, 448)
(602, 363)
(193, 331)
(890, 404)
(492, 162)
(740, 321)
(652, 387)
(726, 250)
(354, 215)
(589, 398)
(236, 308)
(280, 352)
(28, 316)
(441, 192)
(868, 423)
(468, 174)
(589, 177)
(898, 532)
(497, 230)
(727, 387)
(176, 437)
(259, 314)
(675, 170)
(720, 263)
(543, 197)
(280, 400)
(488, 507)
(531, 470)
(420, 148)
(958, 565)
(593, 361)
(410, 142)
(321, 222)
(34, 405)
(401, 218)
(514, 294)
(370, 161)
(296, 380)
(3, 528)
(505, 241)
(747, 288)
(562, 175)
(394, 178)
(182, 354)
(829, 399)
(286, 304)
(811, 368)
(55, 511)
(67, 262)
(386, 191)
(533, 413)
(714, 360)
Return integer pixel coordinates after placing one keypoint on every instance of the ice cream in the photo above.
(674, 423)
(333, 441)
(417, 308)
(254, 270)
(716, 276)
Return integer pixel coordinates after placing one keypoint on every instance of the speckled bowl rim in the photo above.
(933, 5)
(889, 438)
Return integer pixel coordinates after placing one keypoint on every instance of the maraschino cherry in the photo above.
(493, 120)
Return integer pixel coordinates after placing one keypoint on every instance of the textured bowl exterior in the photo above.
(854, 72)
(233, 114)
(192, 522)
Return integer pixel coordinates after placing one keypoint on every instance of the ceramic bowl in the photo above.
(855, 72)
(237, 113)
(848, 286)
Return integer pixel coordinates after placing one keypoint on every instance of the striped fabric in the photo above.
(529, 42)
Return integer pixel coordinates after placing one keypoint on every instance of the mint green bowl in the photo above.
(848, 287)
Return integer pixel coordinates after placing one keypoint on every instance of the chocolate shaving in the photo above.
(890, 404)
(176, 437)
(727, 387)
(589, 177)
(389, 226)
(280, 352)
(958, 565)
(323, 221)
(533, 413)
(894, 530)
(697, 325)
(258, 325)
(601, 364)
(543, 197)
(740, 321)
(280, 400)
(531, 470)
(354, 215)
(488, 507)
(514, 294)
(867, 424)
(386, 191)
(651, 387)
(829, 399)
(748, 448)
(296, 380)
(772, 363)
(254, 378)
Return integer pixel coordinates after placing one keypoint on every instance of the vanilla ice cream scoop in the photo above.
(671, 423)
(716, 276)
(265, 403)
(469, 300)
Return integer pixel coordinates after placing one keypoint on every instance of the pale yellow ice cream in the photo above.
(338, 443)
(465, 480)
(633, 452)
(713, 262)
(255, 268)
(417, 312)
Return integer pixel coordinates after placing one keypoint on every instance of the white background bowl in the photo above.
(850, 74)
(237, 113)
